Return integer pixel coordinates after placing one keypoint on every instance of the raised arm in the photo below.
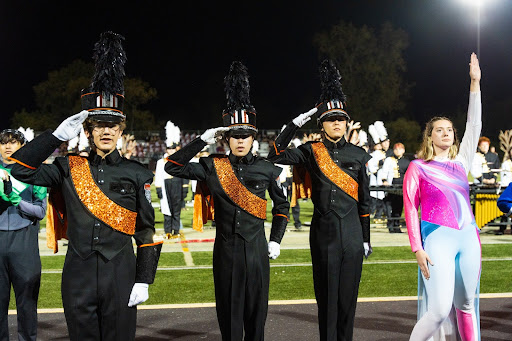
(179, 163)
(469, 141)
(278, 152)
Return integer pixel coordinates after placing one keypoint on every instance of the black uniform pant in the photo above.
(337, 256)
(20, 266)
(241, 273)
(378, 208)
(395, 204)
(296, 215)
(95, 295)
(173, 190)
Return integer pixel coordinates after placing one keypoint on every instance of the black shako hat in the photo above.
(239, 114)
(332, 99)
(104, 98)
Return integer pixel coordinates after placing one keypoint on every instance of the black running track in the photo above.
(374, 321)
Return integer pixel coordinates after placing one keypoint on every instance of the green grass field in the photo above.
(384, 274)
(390, 271)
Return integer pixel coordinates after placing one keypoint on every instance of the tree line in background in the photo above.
(370, 60)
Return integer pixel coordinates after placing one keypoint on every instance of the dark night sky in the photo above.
(184, 49)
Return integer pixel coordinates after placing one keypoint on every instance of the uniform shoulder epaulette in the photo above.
(358, 147)
(135, 162)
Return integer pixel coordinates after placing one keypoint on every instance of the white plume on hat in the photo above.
(119, 144)
(83, 142)
(27, 133)
(374, 134)
(381, 130)
(172, 134)
(363, 138)
(73, 143)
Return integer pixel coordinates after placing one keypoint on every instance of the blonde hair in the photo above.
(426, 151)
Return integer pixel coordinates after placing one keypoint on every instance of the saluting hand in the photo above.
(210, 135)
(302, 119)
(71, 126)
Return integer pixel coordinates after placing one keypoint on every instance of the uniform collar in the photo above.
(111, 158)
(331, 145)
(247, 159)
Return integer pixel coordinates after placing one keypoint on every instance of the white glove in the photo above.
(367, 250)
(302, 119)
(210, 135)
(274, 250)
(4, 175)
(139, 294)
(71, 126)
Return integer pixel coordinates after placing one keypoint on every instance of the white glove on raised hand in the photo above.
(71, 126)
(274, 250)
(367, 250)
(302, 119)
(139, 294)
(210, 135)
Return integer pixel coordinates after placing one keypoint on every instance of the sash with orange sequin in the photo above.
(334, 173)
(237, 192)
(97, 202)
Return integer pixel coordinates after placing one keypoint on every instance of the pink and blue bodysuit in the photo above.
(448, 304)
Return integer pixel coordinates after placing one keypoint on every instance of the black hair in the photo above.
(12, 135)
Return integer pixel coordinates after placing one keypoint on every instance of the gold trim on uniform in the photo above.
(97, 202)
(333, 172)
(237, 192)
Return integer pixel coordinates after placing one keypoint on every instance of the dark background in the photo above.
(184, 49)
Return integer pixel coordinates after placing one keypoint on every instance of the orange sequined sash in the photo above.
(237, 192)
(334, 173)
(97, 202)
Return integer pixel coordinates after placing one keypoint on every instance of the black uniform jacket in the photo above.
(255, 173)
(326, 196)
(124, 181)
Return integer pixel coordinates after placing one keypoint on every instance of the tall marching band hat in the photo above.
(381, 130)
(239, 115)
(374, 135)
(172, 135)
(104, 98)
(332, 99)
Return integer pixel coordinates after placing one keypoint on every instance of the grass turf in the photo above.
(195, 285)
(286, 282)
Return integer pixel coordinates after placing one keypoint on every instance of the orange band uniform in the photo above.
(334, 173)
(97, 202)
(236, 191)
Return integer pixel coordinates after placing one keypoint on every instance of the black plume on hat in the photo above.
(109, 58)
(332, 99)
(330, 80)
(104, 98)
(239, 114)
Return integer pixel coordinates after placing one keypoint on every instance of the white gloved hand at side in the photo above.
(139, 294)
(71, 126)
(367, 250)
(302, 119)
(274, 250)
(210, 135)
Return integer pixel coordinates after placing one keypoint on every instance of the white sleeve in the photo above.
(469, 142)
(373, 164)
(159, 173)
(386, 174)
